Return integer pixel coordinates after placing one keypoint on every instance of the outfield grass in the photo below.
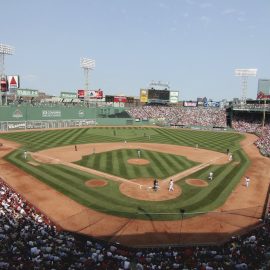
(109, 199)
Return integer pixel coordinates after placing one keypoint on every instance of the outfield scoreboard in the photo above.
(158, 96)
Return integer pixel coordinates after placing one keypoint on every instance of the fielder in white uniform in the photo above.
(171, 188)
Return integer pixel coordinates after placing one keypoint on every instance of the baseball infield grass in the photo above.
(161, 165)
(109, 199)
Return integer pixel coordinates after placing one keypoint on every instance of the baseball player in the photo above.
(156, 186)
(247, 181)
(139, 153)
(171, 188)
(210, 177)
(25, 154)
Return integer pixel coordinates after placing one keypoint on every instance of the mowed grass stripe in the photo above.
(159, 167)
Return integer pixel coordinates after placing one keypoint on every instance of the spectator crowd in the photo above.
(251, 123)
(29, 240)
(184, 116)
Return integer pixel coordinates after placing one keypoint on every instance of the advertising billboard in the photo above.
(263, 89)
(144, 95)
(71, 95)
(211, 104)
(99, 94)
(13, 82)
(174, 96)
(27, 93)
(81, 93)
(190, 103)
(4, 84)
(95, 94)
(120, 99)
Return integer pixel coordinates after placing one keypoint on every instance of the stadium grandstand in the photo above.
(30, 240)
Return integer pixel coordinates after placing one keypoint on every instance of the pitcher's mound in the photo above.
(138, 161)
(96, 183)
(197, 182)
(142, 189)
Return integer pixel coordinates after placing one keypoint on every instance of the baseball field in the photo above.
(109, 172)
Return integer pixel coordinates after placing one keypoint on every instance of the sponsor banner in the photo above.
(99, 94)
(91, 93)
(144, 95)
(211, 104)
(174, 96)
(173, 99)
(262, 95)
(120, 99)
(51, 113)
(190, 103)
(95, 94)
(200, 103)
(17, 114)
(13, 81)
(4, 84)
(81, 93)
(174, 93)
(17, 125)
(71, 95)
(27, 93)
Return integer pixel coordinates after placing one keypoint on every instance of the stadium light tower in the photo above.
(87, 64)
(244, 74)
(4, 50)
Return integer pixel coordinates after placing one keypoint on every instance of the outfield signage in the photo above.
(17, 114)
(144, 95)
(120, 99)
(174, 96)
(26, 93)
(68, 95)
(211, 104)
(51, 113)
(13, 82)
(190, 103)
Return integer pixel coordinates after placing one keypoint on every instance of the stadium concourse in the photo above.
(29, 240)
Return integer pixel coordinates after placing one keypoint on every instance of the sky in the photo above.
(194, 45)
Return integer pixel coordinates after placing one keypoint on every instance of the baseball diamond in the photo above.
(54, 177)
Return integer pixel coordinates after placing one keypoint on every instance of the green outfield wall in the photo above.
(28, 113)
(34, 117)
